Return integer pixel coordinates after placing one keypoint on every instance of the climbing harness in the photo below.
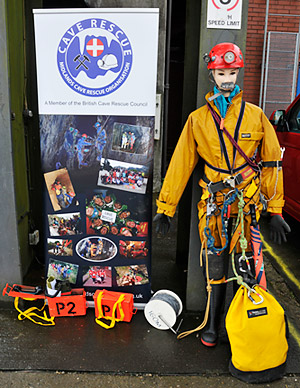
(219, 122)
(256, 167)
(231, 182)
(211, 207)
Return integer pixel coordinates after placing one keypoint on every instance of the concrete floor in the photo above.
(92, 380)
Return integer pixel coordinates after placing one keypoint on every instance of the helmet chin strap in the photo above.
(224, 88)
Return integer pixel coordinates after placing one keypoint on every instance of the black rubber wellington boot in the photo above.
(209, 335)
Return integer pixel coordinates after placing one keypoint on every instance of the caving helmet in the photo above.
(224, 56)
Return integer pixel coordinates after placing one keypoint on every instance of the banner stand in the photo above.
(97, 98)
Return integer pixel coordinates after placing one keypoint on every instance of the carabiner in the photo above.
(241, 258)
(227, 195)
(252, 300)
(230, 180)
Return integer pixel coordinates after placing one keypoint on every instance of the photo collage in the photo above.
(98, 201)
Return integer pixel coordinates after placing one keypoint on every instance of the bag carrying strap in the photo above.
(31, 314)
(113, 318)
(220, 123)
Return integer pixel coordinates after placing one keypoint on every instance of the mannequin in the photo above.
(227, 167)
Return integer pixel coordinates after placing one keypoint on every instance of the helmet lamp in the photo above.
(229, 57)
(206, 58)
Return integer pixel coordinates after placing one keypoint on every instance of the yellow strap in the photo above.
(29, 314)
(235, 238)
(113, 317)
(205, 195)
(251, 190)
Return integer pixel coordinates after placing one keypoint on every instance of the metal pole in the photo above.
(296, 61)
(166, 89)
(264, 53)
(266, 73)
(296, 66)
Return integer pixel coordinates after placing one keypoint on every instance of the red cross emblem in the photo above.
(95, 47)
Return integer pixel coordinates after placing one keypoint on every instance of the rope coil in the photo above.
(168, 299)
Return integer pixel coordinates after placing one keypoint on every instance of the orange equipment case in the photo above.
(108, 301)
(24, 292)
(70, 305)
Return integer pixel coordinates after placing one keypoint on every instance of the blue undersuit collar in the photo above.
(222, 103)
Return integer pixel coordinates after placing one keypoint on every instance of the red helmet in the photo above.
(224, 56)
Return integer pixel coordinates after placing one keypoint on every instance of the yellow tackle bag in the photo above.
(257, 332)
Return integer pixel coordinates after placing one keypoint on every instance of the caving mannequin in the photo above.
(226, 167)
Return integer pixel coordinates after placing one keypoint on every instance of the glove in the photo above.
(278, 229)
(163, 223)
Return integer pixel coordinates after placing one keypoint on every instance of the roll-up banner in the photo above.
(96, 72)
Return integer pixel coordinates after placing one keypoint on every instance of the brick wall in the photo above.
(255, 38)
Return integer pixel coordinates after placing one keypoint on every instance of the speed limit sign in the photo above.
(225, 14)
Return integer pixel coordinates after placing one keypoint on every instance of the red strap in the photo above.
(277, 214)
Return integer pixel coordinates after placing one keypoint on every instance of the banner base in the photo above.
(139, 306)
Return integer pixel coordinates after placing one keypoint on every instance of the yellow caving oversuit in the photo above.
(201, 138)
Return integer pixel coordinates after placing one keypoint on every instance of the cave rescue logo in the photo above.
(94, 57)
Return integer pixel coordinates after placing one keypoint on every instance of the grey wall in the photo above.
(9, 244)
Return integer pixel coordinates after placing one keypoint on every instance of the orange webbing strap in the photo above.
(29, 314)
(113, 317)
(208, 288)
